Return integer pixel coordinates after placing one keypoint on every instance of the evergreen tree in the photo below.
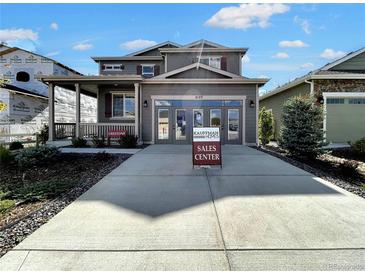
(266, 126)
(302, 127)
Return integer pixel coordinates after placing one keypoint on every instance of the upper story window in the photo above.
(22, 76)
(112, 67)
(123, 105)
(212, 61)
(148, 70)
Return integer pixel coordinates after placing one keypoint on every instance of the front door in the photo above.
(182, 127)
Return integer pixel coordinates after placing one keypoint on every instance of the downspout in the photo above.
(311, 83)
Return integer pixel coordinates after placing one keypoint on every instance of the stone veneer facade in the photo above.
(332, 85)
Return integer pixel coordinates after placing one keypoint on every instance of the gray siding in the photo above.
(101, 104)
(178, 60)
(356, 63)
(130, 67)
(200, 73)
(186, 89)
(276, 102)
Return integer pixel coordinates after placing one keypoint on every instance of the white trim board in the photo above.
(344, 94)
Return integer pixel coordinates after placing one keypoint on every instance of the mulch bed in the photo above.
(23, 219)
(325, 167)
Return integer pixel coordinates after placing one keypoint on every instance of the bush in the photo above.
(15, 145)
(349, 169)
(266, 126)
(358, 147)
(128, 141)
(43, 135)
(60, 133)
(79, 142)
(302, 127)
(35, 156)
(5, 156)
(98, 142)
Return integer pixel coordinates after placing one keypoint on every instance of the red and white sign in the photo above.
(206, 146)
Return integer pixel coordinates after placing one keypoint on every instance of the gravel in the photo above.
(348, 184)
(13, 233)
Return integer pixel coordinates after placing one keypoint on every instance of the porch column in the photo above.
(51, 128)
(136, 109)
(78, 113)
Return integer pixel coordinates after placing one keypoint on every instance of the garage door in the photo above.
(345, 119)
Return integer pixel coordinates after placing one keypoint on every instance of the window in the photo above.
(112, 67)
(357, 101)
(148, 70)
(335, 101)
(23, 76)
(123, 105)
(212, 61)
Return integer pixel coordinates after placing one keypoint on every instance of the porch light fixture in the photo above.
(252, 104)
(145, 104)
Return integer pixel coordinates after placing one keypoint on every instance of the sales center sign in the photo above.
(206, 146)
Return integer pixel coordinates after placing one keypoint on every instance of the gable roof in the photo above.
(343, 59)
(12, 49)
(323, 72)
(203, 41)
(22, 91)
(154, 47)
(197, 66)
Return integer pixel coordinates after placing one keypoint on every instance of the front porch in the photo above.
(103, 88)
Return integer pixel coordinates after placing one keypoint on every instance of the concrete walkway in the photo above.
(154, 212)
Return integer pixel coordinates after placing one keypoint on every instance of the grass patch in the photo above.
(40, 190)
(5, 205)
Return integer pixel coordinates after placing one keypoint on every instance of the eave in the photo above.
(177, 50)
(127, 58)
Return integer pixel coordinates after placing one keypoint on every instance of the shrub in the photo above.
(302, 127)
(15, 145)
(266, 126)
(349, 169)
(5, 205)
(5, 155)
(358, 146)
(102, 156)
(79, 142)
(60, 133)
(43, 135)
(98, 142)
(35, 155)
(128, 141)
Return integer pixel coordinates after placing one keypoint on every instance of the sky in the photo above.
(284, 41)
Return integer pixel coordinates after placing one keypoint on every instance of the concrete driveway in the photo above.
(154, 212)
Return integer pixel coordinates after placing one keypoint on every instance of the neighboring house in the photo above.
(24, 99)
(339, 86)
(161, 92)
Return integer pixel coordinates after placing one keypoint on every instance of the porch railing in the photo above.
(101, 129)
(65, 130)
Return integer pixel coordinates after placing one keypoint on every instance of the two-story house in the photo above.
(162, 92)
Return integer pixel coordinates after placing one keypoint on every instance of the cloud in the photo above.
(82, 46)
(246, 59)
(307, 66)
(54, 26)
(138, 44)
(332, 54)
(53, 53)
(281, 55)
(11, 35)
(292, 44)
(245, 16)
(303, 23)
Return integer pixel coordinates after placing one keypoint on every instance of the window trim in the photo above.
(209, 60)
(148, 65)
(112, 65)
(124, 93)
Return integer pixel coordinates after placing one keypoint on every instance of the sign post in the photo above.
(206, 147)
